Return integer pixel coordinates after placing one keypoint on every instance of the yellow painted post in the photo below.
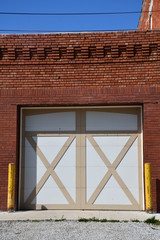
(148, 187)
(11, 186)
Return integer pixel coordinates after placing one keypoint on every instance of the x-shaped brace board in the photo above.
(112, 170)
(50, 170)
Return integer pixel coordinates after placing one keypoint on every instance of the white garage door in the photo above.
(81, 159)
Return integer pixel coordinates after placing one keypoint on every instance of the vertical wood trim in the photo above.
(140, 158)
(83, 158)
(140, 172)
(22, 161)
(78, 159)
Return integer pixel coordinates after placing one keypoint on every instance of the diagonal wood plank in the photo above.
(50, 169)
(100, 187)
(124, 150)
(62, 187)
(111, 170)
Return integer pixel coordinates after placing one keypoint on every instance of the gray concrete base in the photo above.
(75, 215)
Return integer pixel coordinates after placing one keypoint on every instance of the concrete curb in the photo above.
(75, 215)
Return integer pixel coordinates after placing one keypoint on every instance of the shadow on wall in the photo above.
(158, 194)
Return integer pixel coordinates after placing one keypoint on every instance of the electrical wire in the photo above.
(73, 14)
(67, 14)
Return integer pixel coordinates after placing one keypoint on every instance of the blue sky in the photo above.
(69, 23)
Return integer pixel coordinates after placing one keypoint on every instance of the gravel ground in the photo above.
(78, 230)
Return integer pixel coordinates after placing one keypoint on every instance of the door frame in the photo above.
(83, 136)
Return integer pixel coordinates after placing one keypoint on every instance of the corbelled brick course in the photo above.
(79, 70)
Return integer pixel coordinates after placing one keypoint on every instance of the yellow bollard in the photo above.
(11, 186)
(148, 187)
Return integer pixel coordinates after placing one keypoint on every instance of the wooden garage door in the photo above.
(81, 159)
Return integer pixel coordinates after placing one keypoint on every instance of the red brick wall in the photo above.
(79, 69)
(145, 20)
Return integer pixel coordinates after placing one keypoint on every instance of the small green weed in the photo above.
(103, 220)
(152, 221)
(35, 220)
(49, 220)
(60, 220)
(96, 220)
(135, 220)
(88, 220)
(42, 220)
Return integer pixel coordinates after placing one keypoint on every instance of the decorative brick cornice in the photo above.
(106, 52)
(106, 47)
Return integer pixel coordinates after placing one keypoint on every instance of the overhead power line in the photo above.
(72, 13)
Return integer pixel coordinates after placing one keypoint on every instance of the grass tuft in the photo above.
(49, 220)
(135, 221)
(88, 220)
(35, 220)
(42, 220)
(152, 221)
(96, 220)
(60, 220)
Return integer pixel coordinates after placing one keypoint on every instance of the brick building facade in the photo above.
(76, 74)
(150, 16)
